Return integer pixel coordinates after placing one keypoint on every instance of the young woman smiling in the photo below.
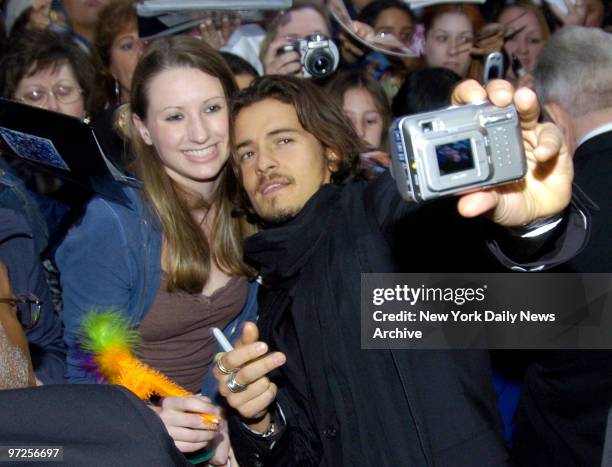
(171, 261)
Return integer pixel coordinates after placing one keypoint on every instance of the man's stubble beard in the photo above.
(282, 216)
(287, 214)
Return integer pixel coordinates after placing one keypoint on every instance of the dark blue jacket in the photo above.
(19, 253)
(44, 214)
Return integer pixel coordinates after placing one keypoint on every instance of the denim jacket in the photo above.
(14, 195)
(112, 260)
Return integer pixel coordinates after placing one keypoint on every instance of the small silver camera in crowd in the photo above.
(455, 150)
(318, 54)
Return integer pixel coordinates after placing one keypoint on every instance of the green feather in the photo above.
(102, 330)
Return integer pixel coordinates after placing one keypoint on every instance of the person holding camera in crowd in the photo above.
(302, 390)
(283, 49)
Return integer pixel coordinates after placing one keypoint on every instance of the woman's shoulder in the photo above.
(129, 209)
(109, 218)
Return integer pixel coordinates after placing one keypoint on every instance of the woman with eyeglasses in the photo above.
(44, 69)
(47, 70)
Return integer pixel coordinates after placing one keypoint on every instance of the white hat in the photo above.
(13, 10)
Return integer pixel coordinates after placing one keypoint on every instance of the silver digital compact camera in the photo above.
(319, 55)
(456, 150)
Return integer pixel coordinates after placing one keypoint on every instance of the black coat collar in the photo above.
(280, 251)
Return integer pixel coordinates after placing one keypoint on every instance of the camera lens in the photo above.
(320, 65)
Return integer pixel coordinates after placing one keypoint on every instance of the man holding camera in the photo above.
(326, 401)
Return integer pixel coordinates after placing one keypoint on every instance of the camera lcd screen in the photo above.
(455, 157)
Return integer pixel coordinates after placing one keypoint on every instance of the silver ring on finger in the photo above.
(234, 386)
(222, 369)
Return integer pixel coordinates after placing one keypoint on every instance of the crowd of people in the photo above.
(263, 194)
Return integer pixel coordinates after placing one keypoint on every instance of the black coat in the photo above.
(561, 420)
(97, 425)
(345, 406)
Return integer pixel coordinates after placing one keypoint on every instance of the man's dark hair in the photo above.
(370, 12)
(317, 113)
(424, 90)
(39, 50)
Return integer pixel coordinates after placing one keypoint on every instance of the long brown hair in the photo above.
(190, 253)
(345, 81)
(116, 17)
(472, 13)
(527, 6)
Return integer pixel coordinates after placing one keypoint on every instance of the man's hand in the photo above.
(547, 187)
(254, 363)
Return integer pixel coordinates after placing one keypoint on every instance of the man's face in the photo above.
(281, 164)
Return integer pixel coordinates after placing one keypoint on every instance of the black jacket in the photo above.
(97, 425)
(345, 406)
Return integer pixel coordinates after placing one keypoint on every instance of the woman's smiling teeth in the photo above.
(200, 152)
